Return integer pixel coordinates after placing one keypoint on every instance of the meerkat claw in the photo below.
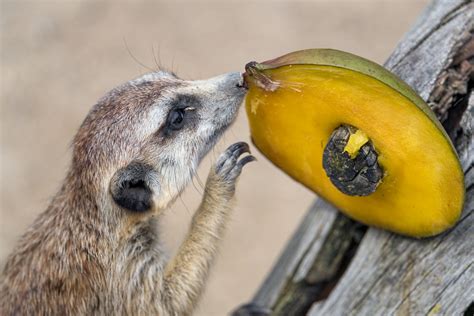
(229, 166)
(242, 162)
(128, 165)
(232, 153)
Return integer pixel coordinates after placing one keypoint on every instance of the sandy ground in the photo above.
(58, 58)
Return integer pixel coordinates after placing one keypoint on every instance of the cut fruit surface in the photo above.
(296, 102)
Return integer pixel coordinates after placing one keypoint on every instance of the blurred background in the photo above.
(59, 57)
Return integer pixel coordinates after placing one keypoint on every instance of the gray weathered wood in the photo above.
(315, 224)
(391, 274)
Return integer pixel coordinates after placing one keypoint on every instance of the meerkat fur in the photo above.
(96, 249)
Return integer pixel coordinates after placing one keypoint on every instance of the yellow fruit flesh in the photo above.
(355, 142)
(421, 193)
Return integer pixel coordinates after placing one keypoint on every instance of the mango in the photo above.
(359, 137)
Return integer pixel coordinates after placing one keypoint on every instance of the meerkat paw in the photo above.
(229, 165)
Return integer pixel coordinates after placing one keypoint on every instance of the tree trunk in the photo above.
(335, 266)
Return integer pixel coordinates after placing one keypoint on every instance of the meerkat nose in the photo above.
(234, 79)
(228, 81)
(242, 83)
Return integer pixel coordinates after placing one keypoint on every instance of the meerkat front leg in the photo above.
(186, 274)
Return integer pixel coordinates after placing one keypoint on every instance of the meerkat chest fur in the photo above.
(96, 249)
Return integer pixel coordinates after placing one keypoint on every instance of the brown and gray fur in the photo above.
(96, 248)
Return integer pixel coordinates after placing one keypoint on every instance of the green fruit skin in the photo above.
(337, 58)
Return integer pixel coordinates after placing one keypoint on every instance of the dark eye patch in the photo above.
(182, 113)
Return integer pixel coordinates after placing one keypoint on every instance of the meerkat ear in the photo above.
(133, 186)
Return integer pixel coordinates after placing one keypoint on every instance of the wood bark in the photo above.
(335, 266)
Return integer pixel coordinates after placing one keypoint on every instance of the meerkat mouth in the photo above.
(242, 82)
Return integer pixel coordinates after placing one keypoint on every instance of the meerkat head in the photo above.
(141, 143)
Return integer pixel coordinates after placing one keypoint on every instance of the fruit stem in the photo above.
(254, 72)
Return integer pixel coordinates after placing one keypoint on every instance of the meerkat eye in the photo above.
(181, 112)
(176, 119)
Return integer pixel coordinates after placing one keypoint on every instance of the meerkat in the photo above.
(96, 248)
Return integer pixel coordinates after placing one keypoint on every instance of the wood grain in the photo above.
(391, 274)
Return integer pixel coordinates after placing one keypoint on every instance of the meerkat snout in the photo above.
(96, 249)
(193, 115)
(162, 122)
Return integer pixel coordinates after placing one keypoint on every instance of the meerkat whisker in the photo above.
(96, 249)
